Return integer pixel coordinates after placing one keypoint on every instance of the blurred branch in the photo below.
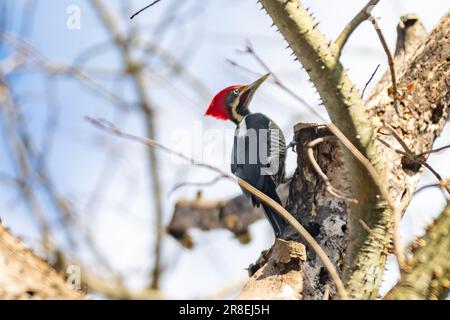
(33, 173)
(235, 214)
(196, 184)
(176, 67)
(18, 143)
(51, 67)
(116, 290)
(134, 69)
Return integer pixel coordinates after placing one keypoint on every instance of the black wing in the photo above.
(259, 153)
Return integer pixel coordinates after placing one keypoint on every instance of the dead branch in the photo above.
(368, 81)
(391, 70)
(407, 152)
(333, 191)
(235, 214)
(362, 16)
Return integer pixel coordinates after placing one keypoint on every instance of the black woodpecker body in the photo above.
(259, 149)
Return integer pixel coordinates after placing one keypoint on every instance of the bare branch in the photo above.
(368, 81)
(333, 191)
(362, 16)
(444, 184)
(145, 8)
(390, 60)
(196, 184)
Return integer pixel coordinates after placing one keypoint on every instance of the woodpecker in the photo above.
(259, 149)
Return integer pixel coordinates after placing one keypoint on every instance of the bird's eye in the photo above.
(236, 91)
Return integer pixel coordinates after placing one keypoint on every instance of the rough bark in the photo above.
(281, 275)
(23, 275)
(429, 267)
(324, 216)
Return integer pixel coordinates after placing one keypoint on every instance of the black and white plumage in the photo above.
(259, 149)
(258, 157)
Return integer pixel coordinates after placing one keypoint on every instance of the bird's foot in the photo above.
(292, 145)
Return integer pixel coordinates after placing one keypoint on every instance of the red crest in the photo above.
(218, 107)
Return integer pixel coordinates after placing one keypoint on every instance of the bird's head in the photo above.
(232, 103)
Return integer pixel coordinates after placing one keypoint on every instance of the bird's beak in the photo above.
(247, 92)
(252, 87)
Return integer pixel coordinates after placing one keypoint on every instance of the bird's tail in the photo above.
(277, 222)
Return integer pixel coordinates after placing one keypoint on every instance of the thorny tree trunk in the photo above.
(422, 115)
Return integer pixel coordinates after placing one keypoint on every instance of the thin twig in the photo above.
(108, 126)
(390, 60)
(333, 191)
(278, 82)
(370, 79)
(408, 152)
(410, 155)
(362, 16)
(433, 151)
(51, 67)
(235, 64)
(145, 8)
(196, 184)
(444, 184)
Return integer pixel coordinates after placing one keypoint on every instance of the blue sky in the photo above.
(122, 221)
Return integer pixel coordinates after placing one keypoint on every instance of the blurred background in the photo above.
(82, 197)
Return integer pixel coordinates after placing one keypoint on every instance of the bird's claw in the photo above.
(292, 145)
